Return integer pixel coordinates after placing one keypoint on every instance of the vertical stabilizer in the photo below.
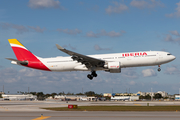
(20, 51)
(23, 54)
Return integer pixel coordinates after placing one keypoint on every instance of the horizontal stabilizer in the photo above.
(18, 61)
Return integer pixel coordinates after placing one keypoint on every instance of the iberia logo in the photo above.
(134, 54)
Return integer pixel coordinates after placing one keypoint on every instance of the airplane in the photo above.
(77, 62)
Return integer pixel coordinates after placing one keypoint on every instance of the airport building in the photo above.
(177, 97)
(125, 98)
(19, 97)
(163, 93)
(74, 98)
(133, 96)
(122, 94)
(107, 94)
(119, 94)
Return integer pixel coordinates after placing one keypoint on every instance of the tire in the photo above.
(159, 69)
(90, 76)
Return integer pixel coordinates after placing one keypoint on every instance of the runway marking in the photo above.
(137, 104)
(113, 117)
(138, 116)
(42, 117)
(6, 109)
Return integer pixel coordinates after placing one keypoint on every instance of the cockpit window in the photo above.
(169, 54)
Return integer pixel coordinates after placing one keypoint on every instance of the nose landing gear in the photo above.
(159, 69)
(93, 74)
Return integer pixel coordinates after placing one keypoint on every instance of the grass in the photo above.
(118, 108)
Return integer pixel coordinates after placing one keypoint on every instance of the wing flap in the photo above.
(88, 61)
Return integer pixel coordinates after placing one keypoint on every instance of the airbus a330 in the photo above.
(77, 62)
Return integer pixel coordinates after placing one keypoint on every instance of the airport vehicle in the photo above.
(77, 62)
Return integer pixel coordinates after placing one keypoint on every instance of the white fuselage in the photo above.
(77, 62)
(132, 59)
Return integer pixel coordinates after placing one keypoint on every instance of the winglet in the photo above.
(59, 47)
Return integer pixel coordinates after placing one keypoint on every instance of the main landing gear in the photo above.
(159, 69)
(93, 74)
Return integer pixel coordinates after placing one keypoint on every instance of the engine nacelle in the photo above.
(113, 67)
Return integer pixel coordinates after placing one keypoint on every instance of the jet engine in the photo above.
(113, 67)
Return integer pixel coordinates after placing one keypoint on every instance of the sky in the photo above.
(90, 27)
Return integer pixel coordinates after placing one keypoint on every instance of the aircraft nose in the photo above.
(173, 57)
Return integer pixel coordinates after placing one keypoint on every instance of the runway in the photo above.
(31, 110)
(51, 115)
(37, 105)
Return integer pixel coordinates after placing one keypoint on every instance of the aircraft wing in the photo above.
(88, 61)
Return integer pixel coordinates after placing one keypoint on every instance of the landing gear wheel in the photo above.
(94, 74)
(90, 76)
(159, 69)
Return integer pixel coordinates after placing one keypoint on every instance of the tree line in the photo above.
(42, 96)
(148, 97)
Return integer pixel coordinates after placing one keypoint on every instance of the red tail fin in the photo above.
(20, 51)
(24, 54)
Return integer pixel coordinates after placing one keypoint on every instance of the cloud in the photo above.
(110, 34)
(21, 28)
(169, 38)
(42, 4)
(149, 73)
(94, 8)
(129, 73)
(154, 82)
(81, 3)
(30, 73)
(117, 8)
(9, 72)
(172, 70)
(91, 34)
(47, 82)
(175, 14)
(37, 79)
(175, 33)
(141, 4)
(70, 46)
(174, 37)
(98, 48)
(132, 82)
(104, 33)
(71, 32)
(37, 29)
